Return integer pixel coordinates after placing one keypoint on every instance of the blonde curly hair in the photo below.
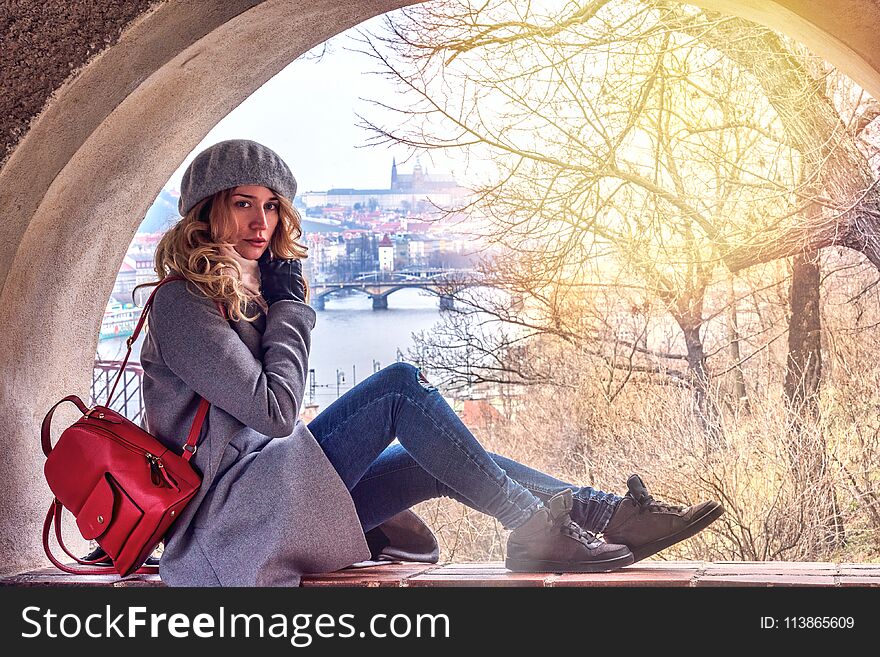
(193, 248)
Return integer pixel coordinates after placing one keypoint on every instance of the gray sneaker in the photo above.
(550, 541)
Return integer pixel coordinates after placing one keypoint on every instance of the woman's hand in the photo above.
(281, 279)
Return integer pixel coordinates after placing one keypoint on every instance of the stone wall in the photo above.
(43, 43)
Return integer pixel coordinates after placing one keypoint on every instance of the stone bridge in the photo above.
(380, 285)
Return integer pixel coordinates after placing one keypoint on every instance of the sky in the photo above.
(307, 114)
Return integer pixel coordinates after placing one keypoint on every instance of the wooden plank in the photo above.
(659, 564)
(53, 577)
(771, 567)
(866, 569)
(478, 574)
(391, 574)
(852, 580)
(761, 579)
(631, 576)
(642, 574)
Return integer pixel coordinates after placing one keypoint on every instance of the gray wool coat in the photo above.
(271, 507)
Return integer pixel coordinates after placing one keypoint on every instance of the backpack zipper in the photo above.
(158, 473)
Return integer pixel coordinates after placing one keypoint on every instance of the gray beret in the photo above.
(230, 164)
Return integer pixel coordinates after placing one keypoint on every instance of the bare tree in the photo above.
(652, 149)
(628, 156)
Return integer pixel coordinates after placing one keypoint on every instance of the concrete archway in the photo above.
(75, 187)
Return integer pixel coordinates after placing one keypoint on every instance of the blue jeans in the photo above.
(436, 455)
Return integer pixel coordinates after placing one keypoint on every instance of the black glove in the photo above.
(281, 279)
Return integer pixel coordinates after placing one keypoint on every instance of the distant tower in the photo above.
(386, 254)
(417, 176)
(394, 173)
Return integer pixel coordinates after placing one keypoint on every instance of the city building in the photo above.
(386, 254)
(126, 280)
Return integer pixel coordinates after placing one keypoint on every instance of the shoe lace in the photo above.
(575, 531)
(648, 503)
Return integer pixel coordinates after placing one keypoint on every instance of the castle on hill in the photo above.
(417, 192)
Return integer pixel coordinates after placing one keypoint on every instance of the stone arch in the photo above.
(74, 188)
(74, 192)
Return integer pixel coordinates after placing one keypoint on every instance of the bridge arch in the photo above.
(379, 290)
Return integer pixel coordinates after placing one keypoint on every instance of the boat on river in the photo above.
(119, 320)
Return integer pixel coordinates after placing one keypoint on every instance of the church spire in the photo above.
(393, 173)
(418, 175)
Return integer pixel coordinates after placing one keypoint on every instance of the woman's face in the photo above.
(255, 210)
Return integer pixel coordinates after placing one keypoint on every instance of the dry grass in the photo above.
(775, 509)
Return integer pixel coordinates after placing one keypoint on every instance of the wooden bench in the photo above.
(647, 573)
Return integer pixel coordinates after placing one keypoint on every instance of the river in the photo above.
(348, 336)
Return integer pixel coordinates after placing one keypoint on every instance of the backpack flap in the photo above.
(96, 513)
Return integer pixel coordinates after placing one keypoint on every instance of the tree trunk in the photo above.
(704, 406)
(803, 370)
(805, 442)
(741, 397)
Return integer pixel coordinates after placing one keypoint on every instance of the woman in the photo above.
(280, 498)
